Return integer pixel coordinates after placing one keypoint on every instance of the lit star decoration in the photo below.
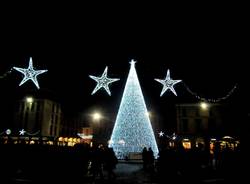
(168, 83)
(8, 131)
(103, 82)
(30, 73)
(22, 132)
(174, 136)
(161, 133)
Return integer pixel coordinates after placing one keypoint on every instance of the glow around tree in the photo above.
(132, 130)
(30, 73)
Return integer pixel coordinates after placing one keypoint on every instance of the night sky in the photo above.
(204, 48)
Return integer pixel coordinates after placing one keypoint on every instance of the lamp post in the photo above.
(205, 108)
(29, 100)
(96, 118)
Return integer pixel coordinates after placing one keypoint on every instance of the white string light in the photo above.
(213, 100)
(32, 134)
(132, 130)
(6, 74)
(21, 132)
(162, 134)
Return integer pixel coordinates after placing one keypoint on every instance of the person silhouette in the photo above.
(110, 163)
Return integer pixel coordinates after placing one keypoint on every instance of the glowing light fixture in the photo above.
(30, 74)
(103, 82)
(168, 83)
(132, 130)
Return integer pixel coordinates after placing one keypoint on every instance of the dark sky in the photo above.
(205, 48)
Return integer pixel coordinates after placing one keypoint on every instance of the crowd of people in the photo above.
(46, 162)
(102, 158)
(195, 164)
(39, 162)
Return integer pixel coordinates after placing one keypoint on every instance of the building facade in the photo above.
(38, 115)
(199, 119)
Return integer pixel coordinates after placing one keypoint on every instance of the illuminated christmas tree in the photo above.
(132, 130)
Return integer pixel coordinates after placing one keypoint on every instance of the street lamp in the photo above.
(29, 100)
(203, 105)
(96, 116)
(148, 113)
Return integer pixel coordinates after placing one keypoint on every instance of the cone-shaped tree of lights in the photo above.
(132, 130)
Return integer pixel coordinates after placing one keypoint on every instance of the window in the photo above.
(198, 124)
(37, 121)
(212, 125)
(56, 119)
(32, 107)
(26, 118)
(185, 125)
(38, 106)
(186, 144)
(55, 130)
(53, 108)
(197, 112)
(52, 119)
(51, 129)
(21, 107)
(184, 112)
(21, 117)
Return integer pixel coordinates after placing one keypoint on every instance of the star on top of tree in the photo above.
(30, 73)
(103, 82)
(168, 83)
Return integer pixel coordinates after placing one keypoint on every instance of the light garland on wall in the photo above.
(32, 134)
(6, 74)
(172, 136)
(7, 132)
(22, 132)
(212, 100)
